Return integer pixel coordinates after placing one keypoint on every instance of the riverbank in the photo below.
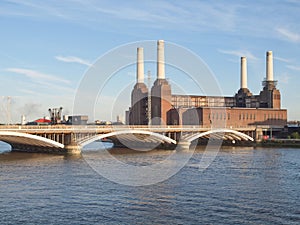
(294, 143)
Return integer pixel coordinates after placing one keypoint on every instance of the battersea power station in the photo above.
(162, 107)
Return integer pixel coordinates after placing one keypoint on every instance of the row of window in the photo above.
(218, 116)
(273, 116)
(247, 116)
(243, 116)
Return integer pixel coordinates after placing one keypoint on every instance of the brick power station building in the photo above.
(242, 109)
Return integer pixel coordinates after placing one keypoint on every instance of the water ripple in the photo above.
(250, 186)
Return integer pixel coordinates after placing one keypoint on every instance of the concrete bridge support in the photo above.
(184, 145)
(258, 134)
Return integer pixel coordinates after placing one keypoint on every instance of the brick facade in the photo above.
(229, 117)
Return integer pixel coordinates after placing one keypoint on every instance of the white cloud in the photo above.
(27, 91)
(290, 35)
(32, 9)
(73, 59)
(239, 53)
(38, 76)
(282, 59)
(297, 68)
(158, 14)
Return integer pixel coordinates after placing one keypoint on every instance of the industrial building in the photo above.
(241, 109)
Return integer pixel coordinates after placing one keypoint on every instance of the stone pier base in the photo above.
(73, 149)
(184, 145)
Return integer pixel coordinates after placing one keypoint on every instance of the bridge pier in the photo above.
(184, 145)
(73, 149)
(258, 134)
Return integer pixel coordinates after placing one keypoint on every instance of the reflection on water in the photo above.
(4, 147)
(241, 186)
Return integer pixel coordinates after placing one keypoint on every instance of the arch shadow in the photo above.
(152, 136)
(221, 134)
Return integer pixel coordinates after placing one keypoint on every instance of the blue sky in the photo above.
(47, 46)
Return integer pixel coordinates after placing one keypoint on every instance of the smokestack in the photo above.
(160, 59)
(140, 65)
(270, 66)
(244, 72)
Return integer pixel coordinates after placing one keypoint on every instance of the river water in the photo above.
(241, 186)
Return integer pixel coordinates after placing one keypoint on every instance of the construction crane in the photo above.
(149, 98)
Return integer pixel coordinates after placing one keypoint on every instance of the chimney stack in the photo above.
(160, 59)
(269, 66)
(140, 65)
(243, 72)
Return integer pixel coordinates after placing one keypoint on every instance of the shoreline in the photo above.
(294, 143)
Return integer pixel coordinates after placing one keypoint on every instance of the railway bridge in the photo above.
(70, 139)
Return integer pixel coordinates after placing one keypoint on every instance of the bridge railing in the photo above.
(116, 127)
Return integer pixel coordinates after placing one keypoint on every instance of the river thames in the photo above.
(241, 186)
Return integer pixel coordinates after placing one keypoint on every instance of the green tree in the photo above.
(295, 135)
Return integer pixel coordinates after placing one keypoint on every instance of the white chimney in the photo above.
(23, 120)
(160, 59)
(140, 65)
(270, 66)
(244, 72)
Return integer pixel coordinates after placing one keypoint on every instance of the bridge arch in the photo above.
(153, 136)
(221, 133)
(18, 138)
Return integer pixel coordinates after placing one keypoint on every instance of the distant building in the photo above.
(242, 109)
(41, 121)
(77, 120)
(103, 123)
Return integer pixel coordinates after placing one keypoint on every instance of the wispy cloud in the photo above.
(290, 35)
(27, 91)
(239, 53)
(174, 15)
(73, 59)
(282, 59)
(37, 76)
(297, 68)
(32, 9)
(158, 14)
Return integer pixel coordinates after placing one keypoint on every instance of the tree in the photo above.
(295, 135)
